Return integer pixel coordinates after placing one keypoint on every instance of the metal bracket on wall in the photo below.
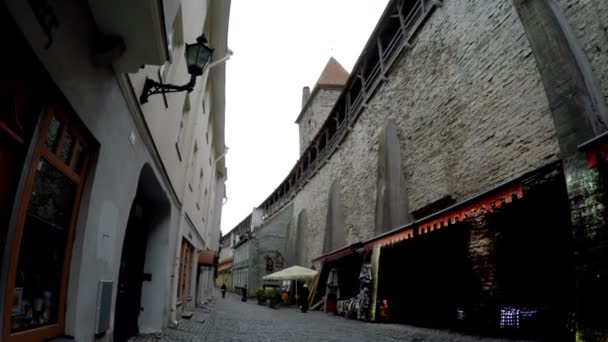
(160, 78)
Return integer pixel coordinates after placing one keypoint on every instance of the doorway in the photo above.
(131, 275)
(144, 261)
(426, 279)
(534, 258)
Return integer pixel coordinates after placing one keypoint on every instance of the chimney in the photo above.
(305, 95)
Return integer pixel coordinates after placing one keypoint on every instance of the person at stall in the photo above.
(304, 298)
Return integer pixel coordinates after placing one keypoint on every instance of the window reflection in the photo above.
(66, 148)
(52, 134)
(42, 252)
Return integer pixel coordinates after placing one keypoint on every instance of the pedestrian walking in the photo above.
(244, 293)
(224, 291)
(304, 298)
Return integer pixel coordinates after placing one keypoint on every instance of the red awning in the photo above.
(595, 154)
(391, 239)
(225, 265)
(457, 213)
(337, 254)
(596, 150)
(473, 207)
(206, 257)
(479, 207)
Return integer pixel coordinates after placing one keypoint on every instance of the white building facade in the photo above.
(110, 222)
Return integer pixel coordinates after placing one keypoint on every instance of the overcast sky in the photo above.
(279, 47)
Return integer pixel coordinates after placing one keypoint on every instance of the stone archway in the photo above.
(144, 263)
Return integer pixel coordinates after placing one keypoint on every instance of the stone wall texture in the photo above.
(470, 111)
(320, 104)
(269, 241)
(589, 21)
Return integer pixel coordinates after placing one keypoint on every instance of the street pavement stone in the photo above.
(193, 329)
(230, 320)
(243, 322)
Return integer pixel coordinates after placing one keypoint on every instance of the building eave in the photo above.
(140, 24)
(218, 39)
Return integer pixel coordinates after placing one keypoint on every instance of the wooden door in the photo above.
(185, 272)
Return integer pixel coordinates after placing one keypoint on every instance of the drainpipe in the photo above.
(225, 199)
(222, 155)
(229, 54)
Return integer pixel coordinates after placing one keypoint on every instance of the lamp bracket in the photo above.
(151, 87)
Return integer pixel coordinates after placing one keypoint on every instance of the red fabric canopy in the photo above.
(470, 208)
(206, 257)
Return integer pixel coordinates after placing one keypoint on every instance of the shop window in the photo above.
(185, 271)
(44, 229)
(53, 134)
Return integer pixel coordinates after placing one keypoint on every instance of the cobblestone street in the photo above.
(228, 320)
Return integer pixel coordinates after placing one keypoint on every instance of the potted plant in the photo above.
(272, 298)
(260, 295)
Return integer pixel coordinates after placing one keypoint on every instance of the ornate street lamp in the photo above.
(198, 56)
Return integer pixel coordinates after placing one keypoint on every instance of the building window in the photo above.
(185, 271)
(44, 231)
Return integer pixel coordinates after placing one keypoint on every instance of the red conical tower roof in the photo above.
(333, 74)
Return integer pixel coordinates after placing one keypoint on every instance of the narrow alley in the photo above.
(229, 319)
(409, 170)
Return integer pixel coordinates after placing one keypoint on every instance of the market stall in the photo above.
(293, 273)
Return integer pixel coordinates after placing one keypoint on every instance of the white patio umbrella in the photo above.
(293, 273)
